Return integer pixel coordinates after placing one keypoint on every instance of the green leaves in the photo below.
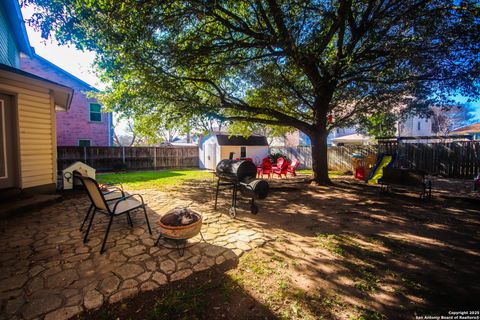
(285, 63)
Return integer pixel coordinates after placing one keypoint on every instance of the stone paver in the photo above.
(93, 299)
(46, 271)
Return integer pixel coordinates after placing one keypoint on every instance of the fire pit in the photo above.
(179, 225)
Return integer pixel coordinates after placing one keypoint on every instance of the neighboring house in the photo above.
(217, 146)
(353, 139)
(473, 130)
(28, 104)
(290, 139)
(299, 139)
(338, 133)
(415, 126)
(84, 124)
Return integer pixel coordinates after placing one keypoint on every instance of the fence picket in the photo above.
(131, 158)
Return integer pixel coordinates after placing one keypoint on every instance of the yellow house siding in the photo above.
(36, 132)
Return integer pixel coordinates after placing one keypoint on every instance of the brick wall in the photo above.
(74, 124)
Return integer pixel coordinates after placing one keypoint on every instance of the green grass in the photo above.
(367, 282)
(186, 304)
(138, 180)
(331, 242)
(164, 179)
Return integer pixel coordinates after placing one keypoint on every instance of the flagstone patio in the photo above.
(47, 271)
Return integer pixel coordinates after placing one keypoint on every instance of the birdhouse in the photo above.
(76, 168)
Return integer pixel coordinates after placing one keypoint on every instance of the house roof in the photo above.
(225, 139)
(14, 15)
(352, 138)
(68, 74)
(62, 94)
(473, 128)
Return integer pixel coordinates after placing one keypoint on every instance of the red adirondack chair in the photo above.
(265, 168)
(293, 166)
(283, 169)
(279, 164)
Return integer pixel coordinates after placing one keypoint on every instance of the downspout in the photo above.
(110, 129)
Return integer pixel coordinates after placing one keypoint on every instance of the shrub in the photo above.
(274, 157)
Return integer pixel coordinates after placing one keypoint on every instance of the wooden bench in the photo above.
(410, 178)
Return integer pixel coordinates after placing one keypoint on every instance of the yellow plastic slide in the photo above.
(378, 173)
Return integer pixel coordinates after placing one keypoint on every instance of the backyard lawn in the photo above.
(165, 179)
(139, 180)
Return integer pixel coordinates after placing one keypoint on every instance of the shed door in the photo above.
(211, 156)
(8, 146)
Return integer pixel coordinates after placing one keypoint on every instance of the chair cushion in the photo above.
(124, 205)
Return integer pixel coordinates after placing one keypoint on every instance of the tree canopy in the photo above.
(312, 65)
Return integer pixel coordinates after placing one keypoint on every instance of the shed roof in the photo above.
(225, 139)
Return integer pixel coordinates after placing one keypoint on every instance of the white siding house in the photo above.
(216, 147)
(415, 126)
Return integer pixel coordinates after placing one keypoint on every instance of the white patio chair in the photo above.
(111, 191)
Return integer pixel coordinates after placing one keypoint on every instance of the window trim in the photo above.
(89, 142)
(90, 112)
(241, 152)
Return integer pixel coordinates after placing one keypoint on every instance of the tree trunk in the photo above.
(319, 157)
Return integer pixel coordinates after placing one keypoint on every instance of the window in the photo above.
(418, 126)
(95, 112)
(84, 142)
(243, 152)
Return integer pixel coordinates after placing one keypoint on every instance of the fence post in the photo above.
(155, 158)
(123, 156)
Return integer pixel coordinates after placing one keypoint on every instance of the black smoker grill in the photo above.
(240, 175)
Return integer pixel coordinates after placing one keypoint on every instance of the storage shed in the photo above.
(217, 146)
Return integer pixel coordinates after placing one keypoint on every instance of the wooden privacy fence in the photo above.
(458, 159)
(339, 158)
(130, 158)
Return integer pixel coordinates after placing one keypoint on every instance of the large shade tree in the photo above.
(312, 65)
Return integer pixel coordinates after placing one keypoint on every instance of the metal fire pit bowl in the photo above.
(174, 232)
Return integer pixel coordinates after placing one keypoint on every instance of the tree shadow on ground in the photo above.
(393, 252)
(209, 294)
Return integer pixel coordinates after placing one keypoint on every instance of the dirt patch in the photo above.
(342, 252)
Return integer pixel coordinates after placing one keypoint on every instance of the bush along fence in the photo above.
(129, 158)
